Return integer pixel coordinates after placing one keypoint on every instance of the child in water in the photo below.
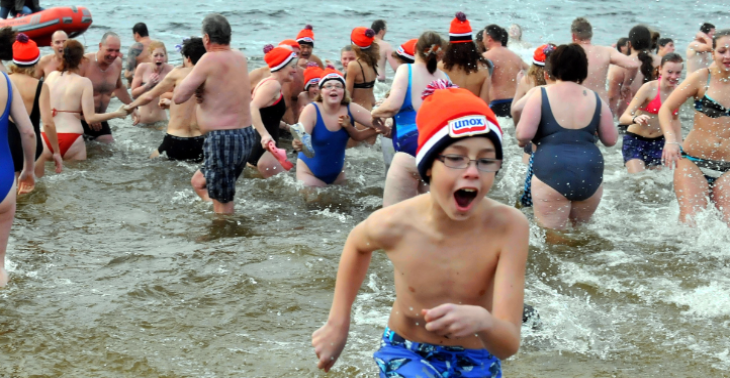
(459, 257)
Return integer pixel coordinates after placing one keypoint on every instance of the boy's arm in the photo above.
(329, 341)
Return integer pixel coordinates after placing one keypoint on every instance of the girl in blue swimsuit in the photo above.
(26, 180)
(703, 159)
(402, 181)
(567, 165)
(329, 120)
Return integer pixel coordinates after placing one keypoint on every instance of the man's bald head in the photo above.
(110, 35)
(110, 47)
(58, 38)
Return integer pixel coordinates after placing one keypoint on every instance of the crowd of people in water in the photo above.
(459, 256)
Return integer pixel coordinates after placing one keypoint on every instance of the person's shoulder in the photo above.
(390, 224)
(503, 217)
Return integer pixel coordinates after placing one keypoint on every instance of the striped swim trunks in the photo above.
(225, 153)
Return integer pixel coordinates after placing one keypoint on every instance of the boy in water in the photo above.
(459, 257)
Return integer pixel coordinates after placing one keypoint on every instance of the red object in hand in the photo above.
(280, 155)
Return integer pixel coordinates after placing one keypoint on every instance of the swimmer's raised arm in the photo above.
(192, 82)
(530, 119)
(368, 236)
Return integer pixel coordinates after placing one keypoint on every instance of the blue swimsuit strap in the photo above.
(10, 97)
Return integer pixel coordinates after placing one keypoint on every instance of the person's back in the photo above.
(28, 87)
(226, 91)
(462, 62)
(182, 122)
(66, 90)
(507, 65)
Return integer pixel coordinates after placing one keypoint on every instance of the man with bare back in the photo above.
(104, 69)
(600, 58)
(220, 80)
(138, 52)
(507, 65)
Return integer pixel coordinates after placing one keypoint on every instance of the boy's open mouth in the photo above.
(464, 197)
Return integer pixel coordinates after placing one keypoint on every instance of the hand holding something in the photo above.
(297, 145)
(671, 154)
(122, 112)
(58, 161)
(26, 182)
(265, 141)
(328, 343)
(450, 320)
(95, 126)
(344, 121)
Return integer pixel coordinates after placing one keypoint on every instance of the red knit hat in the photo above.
(408, 49)
(541, 53)
(460, 30)
(306, 35)
(362, 37)
(331, 74)
(25, 51)
(291, 43)
(278, 57)
(447, 114)
(312, 75)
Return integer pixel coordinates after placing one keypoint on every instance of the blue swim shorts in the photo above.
(225, 153)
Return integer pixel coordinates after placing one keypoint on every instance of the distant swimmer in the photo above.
(138, 52)
(305, 38)
(347, 56)
(619, 97)
(643, 143)
(35, 96)
(330, 120)
(363, 73)
(220, 81)
(567, 185)
(664, 47)
(461, 61)
(386, 50)
(311, 89)
(701, 176)
(599, 60)
(183, 139)
(12, 105)
(50, 62)
(71, 97)
(515, 38)
(507, 65)
(146, 77)
(699, 51)
(104, 69)
(268, 106)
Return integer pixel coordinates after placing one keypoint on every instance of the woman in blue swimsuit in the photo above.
(703, 159)
(26, 181)
(402, 181)
(564, 121)
(329, 120)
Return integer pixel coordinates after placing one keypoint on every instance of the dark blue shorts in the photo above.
(400, 358)
(648, 150)
(225, 153)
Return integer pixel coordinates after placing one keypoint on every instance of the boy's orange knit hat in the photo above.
(460, 30)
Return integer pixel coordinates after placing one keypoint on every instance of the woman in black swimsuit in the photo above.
(363, 72)
(703, 159)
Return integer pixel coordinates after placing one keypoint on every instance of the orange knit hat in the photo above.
(460, 30)
(312, 75)
(541, 53)
(306, 35)
(362, 37)
(408, 50)
(331, 74)
(291, 43)
(25, 51)
(278, 57)
(449, 113)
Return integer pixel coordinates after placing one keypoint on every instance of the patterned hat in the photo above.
(312, 75)
(541, 53)
(449, 113)
(291, 43)
(362, 37)
(306, 35)
(25, 51)
(331, 74)
(278, 57)
(460, 30)
(408, 49)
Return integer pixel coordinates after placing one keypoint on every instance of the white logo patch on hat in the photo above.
(467, 126)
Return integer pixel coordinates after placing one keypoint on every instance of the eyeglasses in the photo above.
(463, 162)
(333, 86)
